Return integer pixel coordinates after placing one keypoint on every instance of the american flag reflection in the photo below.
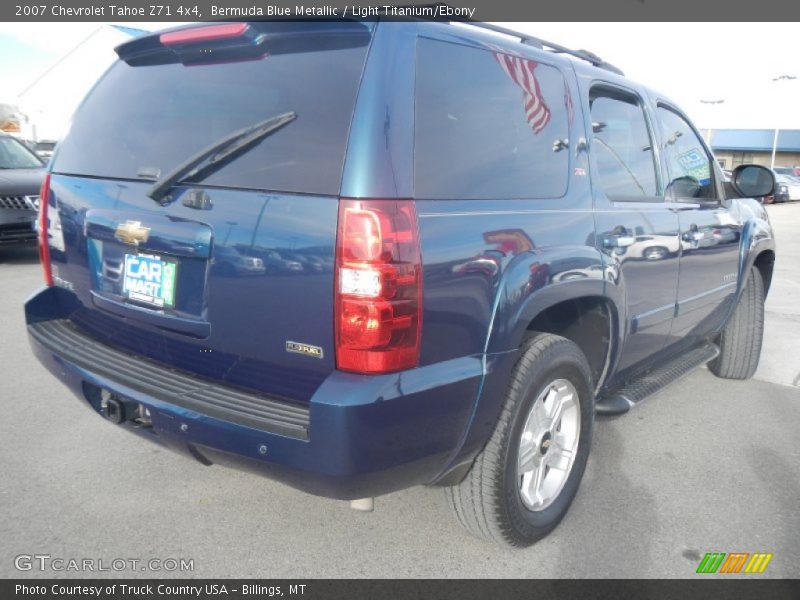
(522, 71)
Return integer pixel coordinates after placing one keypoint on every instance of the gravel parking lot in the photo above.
(707, 465)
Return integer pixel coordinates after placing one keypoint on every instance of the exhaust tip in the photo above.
(363, 504)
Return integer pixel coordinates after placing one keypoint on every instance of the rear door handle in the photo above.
(619, 241)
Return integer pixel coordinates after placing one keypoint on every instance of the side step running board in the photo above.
(620, 401)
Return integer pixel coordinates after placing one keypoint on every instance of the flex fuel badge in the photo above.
(307, 349)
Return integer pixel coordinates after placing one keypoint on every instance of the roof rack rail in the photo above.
(530, 40)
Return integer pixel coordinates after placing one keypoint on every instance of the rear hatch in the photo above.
(223, 268)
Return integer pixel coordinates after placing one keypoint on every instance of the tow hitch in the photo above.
(111, 407)
(118, 411)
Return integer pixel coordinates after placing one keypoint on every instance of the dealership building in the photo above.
(734, 147)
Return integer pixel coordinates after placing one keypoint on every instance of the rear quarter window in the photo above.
(152, 117)
(488, 125)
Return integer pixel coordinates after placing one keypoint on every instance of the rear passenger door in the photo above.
(710, 231)
(636, 230)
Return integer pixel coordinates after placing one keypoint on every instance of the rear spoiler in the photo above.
(229, 41)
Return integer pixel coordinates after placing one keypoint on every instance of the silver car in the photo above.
(21, 174)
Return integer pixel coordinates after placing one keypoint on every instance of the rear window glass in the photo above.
(489, 125)
(151, 118)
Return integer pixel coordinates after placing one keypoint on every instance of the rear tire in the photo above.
(740, 341)
(495, 500)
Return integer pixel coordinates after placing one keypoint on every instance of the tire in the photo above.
(740, 340)
(489, 502)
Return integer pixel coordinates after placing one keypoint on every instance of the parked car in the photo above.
(308, 263)
(787, 187)
(276, 262)
(491, 290)
(44, 149)
(229, 261)
(790, 171)
(652, 247)
(21, 174)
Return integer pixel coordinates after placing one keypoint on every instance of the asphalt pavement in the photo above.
(707, 465)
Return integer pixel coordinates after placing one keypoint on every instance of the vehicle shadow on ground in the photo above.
(773, 469)
(617, 509)
(29, 255)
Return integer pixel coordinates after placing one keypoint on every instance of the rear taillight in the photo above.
(44, 242)
(378, 286)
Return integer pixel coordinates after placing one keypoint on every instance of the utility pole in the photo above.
(708, 129)
(777, 131)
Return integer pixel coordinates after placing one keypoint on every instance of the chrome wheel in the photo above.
(548, 444)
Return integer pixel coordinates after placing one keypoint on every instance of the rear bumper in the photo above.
(359, 436)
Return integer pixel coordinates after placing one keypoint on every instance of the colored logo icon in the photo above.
(734, 562)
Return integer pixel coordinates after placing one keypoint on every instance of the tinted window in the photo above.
(688, 162)
(488, 125)
(622, 149)
(155, 116)
(14, 155)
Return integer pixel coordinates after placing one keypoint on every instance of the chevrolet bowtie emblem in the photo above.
(132, 232)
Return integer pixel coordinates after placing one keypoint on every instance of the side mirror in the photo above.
(753, 181)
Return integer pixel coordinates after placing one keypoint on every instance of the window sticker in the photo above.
(695, 164)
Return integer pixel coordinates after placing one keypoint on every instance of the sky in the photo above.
(28, 49)
(74, 56)
(689, 62)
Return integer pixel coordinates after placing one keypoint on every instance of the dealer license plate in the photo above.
(150, 279)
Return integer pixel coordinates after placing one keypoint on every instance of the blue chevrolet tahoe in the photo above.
(361, 256)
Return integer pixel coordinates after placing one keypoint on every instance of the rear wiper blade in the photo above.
(217, 155)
